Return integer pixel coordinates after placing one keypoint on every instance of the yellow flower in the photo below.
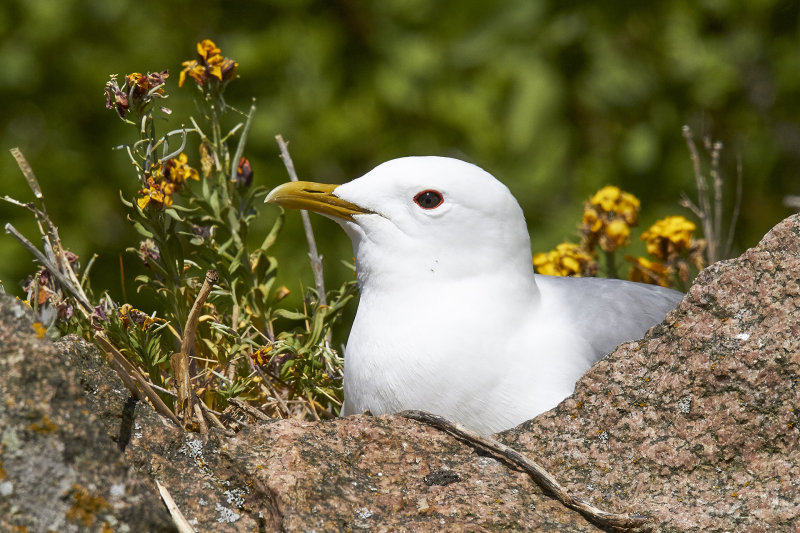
(608, 217)
(209, 64)
(177, 171)
(668, 237)
(162, 185)
(155, 192)
(646, 271)
(137, 92)
(40, 330)
(591, 220)
(611, 199)
(566, 260)
(130, 315)
(206, 48)
(616, 235)
(261, 356)
(606, 198)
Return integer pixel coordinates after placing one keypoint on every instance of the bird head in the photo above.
(422, 218)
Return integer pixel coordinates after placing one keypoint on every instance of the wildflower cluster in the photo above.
(669, 237)
(607, 219)
(131, 316)
(212, 285)
(44, 295)
(237, 351)
(162, 184)
(209, 67)
(567, 259)
(136, 93)
(670, 241)
(606, 225)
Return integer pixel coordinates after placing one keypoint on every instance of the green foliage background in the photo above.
(556, 98)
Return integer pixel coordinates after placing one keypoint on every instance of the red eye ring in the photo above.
(429, 199)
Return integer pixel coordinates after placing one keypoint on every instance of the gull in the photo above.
(451, 318)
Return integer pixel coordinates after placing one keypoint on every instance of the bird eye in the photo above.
(429, 199)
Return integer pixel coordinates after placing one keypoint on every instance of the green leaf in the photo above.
(272, 236)
(141, 230)
(173, 214)
(290, 315)
(125, 202)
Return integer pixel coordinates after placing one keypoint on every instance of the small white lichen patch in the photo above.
(18, 310)
(226, 516)
(364, 513)
(235, 497)
(117, 490)
(194, 449)
(603, 436)
(743, 336)
(685, 405)
(6, 488)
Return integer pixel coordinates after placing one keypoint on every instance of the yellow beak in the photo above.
(317, 197)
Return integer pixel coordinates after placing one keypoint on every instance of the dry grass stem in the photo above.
(133, 379)
(711, 215)
(180, 360)
(313, 254)
(249, 409)
(541, 476)
(178, 519)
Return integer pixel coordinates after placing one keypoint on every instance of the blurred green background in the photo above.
(555, 98)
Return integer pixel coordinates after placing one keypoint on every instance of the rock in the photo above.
(60, 467)
(696, 425)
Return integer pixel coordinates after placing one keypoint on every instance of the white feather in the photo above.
(453, 320)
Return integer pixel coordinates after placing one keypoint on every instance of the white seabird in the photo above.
(451, 318)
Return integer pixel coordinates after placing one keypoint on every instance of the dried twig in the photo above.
(54, 257)
(313, 254)
(711, 216)
(703, 207)
(52, 268)
(133, 379)
(180, 360)
(177, 516)
(736, 206)
(541, 476)
(249, 409)
(213, 418)
(201, 421)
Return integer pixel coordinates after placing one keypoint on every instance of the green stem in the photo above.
(611, 265)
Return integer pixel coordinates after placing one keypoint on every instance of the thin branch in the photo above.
(266, 382)
(45, 262)
(313, 254)
(131, 377)
(702, 196)
(214, 420)
(178, 519)
(180, 360)
(27, 171)
(201, 421)
(249, 409)
(736, 206)
(541, 476)
(716, 178)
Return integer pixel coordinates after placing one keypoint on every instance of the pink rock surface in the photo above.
(696, 425)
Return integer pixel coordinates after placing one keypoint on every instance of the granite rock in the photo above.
(696, 426)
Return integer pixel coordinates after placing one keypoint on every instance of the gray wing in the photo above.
(609, 312)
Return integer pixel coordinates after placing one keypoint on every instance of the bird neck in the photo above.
(437, 276)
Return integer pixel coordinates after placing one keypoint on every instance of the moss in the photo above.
(85, 505)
